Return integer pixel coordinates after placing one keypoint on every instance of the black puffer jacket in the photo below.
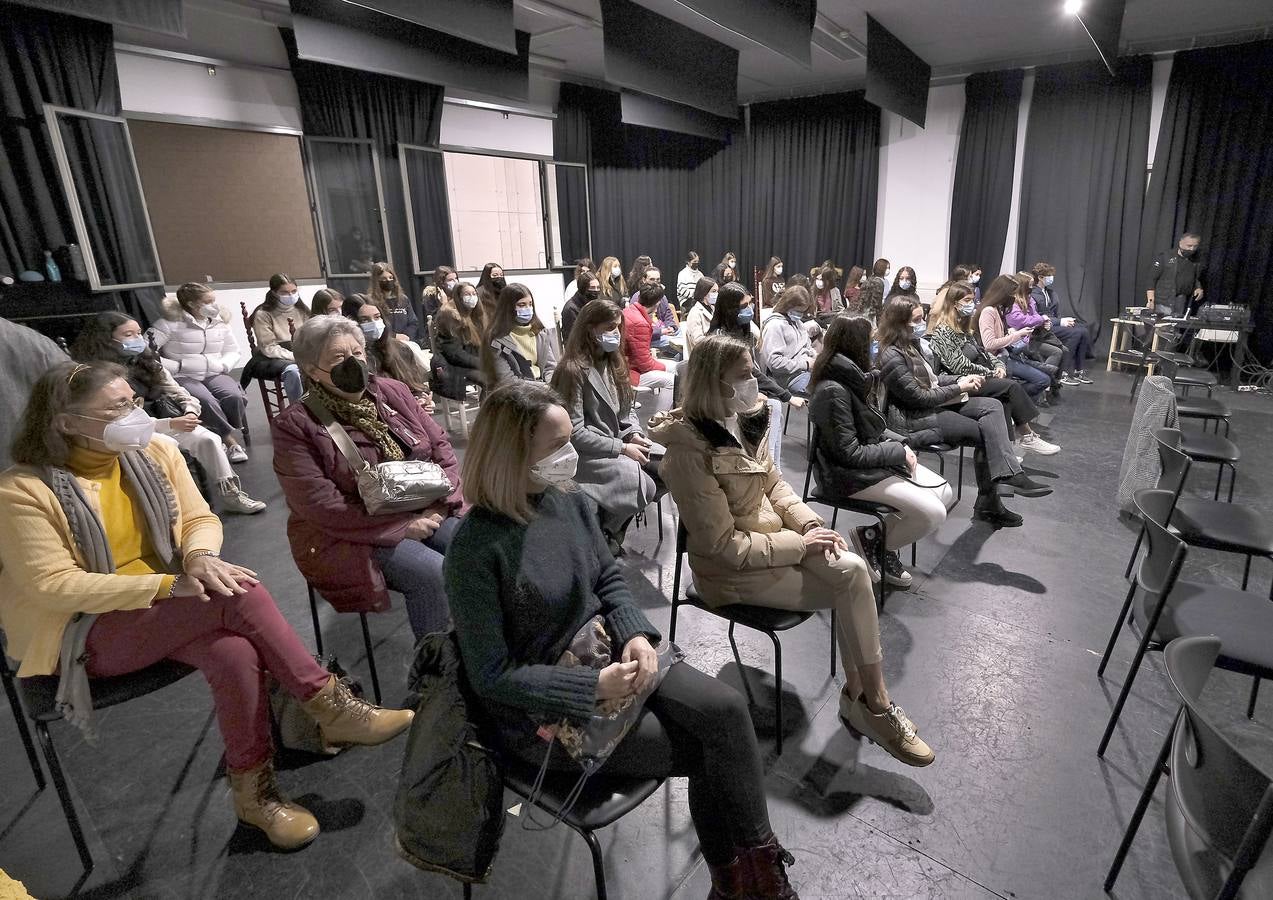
(853, 453)
(911, 400)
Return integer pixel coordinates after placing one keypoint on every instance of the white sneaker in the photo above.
(237, 454)
(1036, 444)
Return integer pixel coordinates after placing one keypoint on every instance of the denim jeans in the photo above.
(414, 569)
(1036, 381)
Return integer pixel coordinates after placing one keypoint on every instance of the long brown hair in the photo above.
(96, 343)
(895, 324)
(376, 293)
(501, 324)
(846, 335)
(583, 353)
(999, 296)
(945, 309)
(498, 455)
(455, 318)
(391, 358)
(39, 442)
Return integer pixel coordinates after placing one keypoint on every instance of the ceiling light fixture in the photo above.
(1073, 7)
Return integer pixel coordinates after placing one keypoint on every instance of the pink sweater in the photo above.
(993, 334)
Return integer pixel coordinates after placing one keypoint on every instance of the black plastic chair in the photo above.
(1219, 807)
(1208, 409)
(366, 640)
(39, 693)
(759, 618)
(1204, 447)
(877, 511)
(15, 706)
(1170, 608)
(602, 802)
(1186, 372)
(1227, 527)
(808, 419)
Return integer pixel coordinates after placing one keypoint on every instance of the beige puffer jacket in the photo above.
(738, 512)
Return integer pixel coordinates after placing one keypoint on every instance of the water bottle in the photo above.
(50, 267)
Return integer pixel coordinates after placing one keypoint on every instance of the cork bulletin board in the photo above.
(226, 204)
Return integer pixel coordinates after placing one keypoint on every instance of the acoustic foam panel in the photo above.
(486, 22)
(896, 79)
(784, 26)
(651, 112)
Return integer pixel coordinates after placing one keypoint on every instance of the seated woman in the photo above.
(391, 358)
(859, 460)
(352, 558)
(1044, 349)
(489, 284)
(613, 286)
(516, 344)
(112, 337)
(273, 323)
(955, 351)
(772, 283)
(437, 291)
(327, 302)
(698, 318)
(752, 541)
(1008, 345)
(826, 295)
(734, 316)
(383, 288)
(614, 459)
(587, 287)
(788, 354)
(905, 284)
(139, 580)
(457, 338)
(528, 569)
(198, 349)
(918, 400)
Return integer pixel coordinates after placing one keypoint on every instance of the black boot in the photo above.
(1023, 484)
(989, 508)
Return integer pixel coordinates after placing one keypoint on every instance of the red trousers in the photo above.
(233, 641)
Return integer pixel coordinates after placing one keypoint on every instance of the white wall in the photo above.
(488, 129)
(917, 175)
(1157, 100)
(253, 297)
(249, 95)
(1009, 261)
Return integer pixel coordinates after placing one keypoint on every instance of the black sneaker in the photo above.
(1083, 377)
(1026, 486)
(866, 541)
(894, 573)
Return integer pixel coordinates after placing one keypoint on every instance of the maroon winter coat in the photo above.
(332, 536)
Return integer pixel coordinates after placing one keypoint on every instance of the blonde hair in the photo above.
(704, 385)
(945, 309)
(498, 457)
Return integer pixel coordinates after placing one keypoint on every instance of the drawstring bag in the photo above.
(590, 743)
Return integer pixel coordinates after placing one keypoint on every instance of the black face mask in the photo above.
(349, 376)
(1187, 253)
(499, 283)
(386, 285)
(593, 295)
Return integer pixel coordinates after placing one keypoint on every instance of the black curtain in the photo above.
(1213, 174)
(572, 142)
(799, 181)
(982, 196)
(44, 58)
(1083, 182)
(349, 103)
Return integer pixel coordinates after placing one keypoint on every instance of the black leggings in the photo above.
(1017, 405)
(698, 726)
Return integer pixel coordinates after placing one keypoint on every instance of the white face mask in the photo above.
(557, 468)
(287, 301)
(817, 282)
(210, 311)
(777, 270)
(450, 286)
(132, 431)
(975, 279)
(373, 329)
(469, 300)
(746, 393)
(615, 272)
(710, 299)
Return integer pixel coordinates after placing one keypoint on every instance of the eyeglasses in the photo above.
(121, 409)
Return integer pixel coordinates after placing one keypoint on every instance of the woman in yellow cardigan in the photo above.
(109, 563)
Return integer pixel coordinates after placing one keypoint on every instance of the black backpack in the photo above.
(449, 811)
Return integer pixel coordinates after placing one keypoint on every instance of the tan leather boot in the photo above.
(258, 803)
(345, 719)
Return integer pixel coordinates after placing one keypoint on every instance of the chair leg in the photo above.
(371, 659)
(1246, 572)
(1255, 694)
(598, 862)
(778, 692)
(468, 891)
(742, 671)
(1118, 626)
(913, 546)
(1233, 477)
(1142, 805)
(959, 491)
(1219, 479)
(64, 795)
(671, 631)
(833, 642)
(1131, 560)
(658, 506)
(313, 613)
(24, 729)
(1127, 687)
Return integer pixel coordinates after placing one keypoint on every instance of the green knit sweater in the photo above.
(519, 593)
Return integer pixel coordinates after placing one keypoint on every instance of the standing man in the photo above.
(1175, 278)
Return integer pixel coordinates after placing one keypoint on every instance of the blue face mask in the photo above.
(524, 315)
(133, 345)
(919, 328)
(796, 319)
(373, 329)
(904, 284)
(609, 341)
(967, 309)
(744, 316)
(1047, 280)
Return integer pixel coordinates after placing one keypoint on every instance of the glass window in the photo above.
(345, 179)
(99, 177)
(496, 210)
(570, 231)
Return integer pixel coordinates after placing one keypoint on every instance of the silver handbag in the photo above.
(402, 486)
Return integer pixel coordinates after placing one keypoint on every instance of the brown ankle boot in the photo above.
(729, 882)
(768, 864)
(258, 803)
(345, 719)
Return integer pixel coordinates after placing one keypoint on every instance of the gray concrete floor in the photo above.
(993, 652)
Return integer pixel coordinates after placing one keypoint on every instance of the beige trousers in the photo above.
(843, 585)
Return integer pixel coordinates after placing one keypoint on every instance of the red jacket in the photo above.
(638, 331)
(331, 535)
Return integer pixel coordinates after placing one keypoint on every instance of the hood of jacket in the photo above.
(173, 312)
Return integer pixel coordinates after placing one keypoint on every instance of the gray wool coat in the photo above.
(600, 423)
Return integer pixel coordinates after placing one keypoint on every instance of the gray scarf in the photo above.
(159, 508)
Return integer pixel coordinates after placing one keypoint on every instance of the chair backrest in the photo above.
(1161, 565)
(247, 324)
(1225, 798)
(1175, 463)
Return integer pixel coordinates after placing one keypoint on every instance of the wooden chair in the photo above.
(273, 397)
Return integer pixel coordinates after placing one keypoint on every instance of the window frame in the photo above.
(69, 191)
(311, 180)
(406, 198)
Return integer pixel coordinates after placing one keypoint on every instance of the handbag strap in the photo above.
(339, 435)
